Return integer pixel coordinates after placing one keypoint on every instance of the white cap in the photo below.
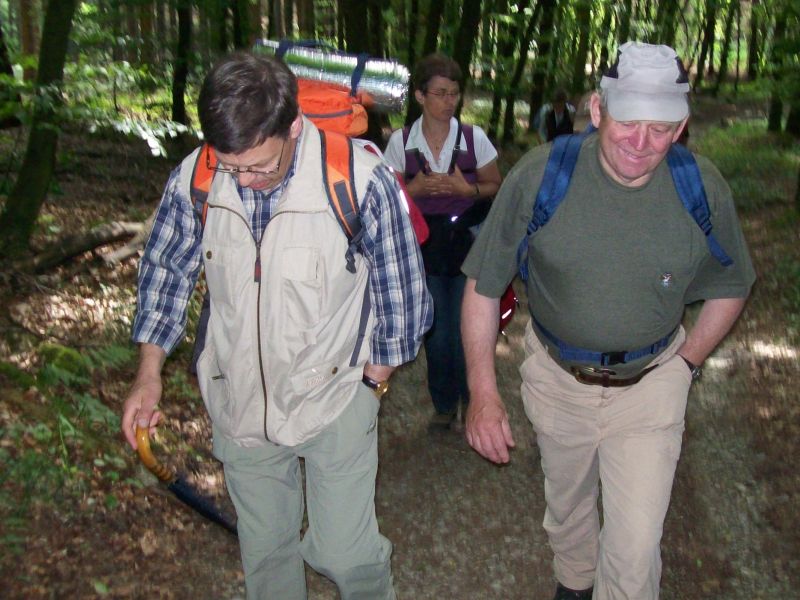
(647, 83)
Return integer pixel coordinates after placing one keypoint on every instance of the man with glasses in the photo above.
(299, 348)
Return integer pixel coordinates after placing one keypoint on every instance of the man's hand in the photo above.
(378, 372)
(488, 430)
(140, 407)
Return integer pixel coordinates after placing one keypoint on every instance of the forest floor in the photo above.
(461, 527)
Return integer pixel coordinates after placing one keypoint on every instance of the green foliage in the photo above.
(62, 434)
(17, 376)
(787, 272)
(759, 171)
(62, 364)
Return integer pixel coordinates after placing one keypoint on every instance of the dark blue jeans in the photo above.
(447, 373)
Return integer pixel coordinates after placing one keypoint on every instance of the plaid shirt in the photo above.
(172, 259)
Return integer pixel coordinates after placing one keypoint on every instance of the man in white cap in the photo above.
(608, 364)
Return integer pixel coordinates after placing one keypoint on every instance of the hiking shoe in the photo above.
(563, 593)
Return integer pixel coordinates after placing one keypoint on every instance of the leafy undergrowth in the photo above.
(80, 517)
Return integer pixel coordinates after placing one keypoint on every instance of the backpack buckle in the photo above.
(613, 358)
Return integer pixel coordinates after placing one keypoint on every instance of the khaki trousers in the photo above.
(626, 439)
(342, 540)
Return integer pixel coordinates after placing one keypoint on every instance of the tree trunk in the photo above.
(546, 35)
(243, 36)
(753, 44)
(434, 23)
(726, 47)
(488, 39)
(29, 11)
(797, 192)
(509, 120)
(793, 120)
(429, 44)
(604, 34)
(254, 18)
(22, 207)
(708, 41)
(132, 27)
(777, 59)
(163, 37)
(626, 14)
(503, 65)
(583, 16)
(272, 28)
(340, 28)
(356, 34)
(75, 245)
(376, 27)
(288, 17)
(146, 28)
(218, 25)
(665, 22)
(466, 36)
(181, 70)
(738, 48)
(306, 22)
(412, 110)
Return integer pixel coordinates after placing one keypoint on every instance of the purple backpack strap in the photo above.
(415, 162)
(467, 161)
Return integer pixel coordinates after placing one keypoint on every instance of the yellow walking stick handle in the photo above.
(165, 474)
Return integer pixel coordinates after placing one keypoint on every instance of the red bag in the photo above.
(508, 305)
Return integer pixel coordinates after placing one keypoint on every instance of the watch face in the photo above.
(382, 388)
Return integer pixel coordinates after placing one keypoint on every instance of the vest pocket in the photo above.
(215, 389)
(302, 285)
(217, 260)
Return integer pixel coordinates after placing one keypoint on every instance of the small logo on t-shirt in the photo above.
(666, 279)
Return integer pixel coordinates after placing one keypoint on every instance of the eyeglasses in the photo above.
(444, 94)
(246, 170)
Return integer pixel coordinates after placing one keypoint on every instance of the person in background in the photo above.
(451, 172)
(555, 118)
(299, 348)
(608, 363)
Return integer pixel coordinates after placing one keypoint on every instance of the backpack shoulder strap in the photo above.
(555, 182)
(338, 179)
(202, 177)
(456, 148)
(689, 185)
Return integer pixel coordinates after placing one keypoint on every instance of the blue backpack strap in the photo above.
(358, 72)
(555, 182)
(689, 185)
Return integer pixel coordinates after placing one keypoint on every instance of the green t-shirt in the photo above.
(614, 267)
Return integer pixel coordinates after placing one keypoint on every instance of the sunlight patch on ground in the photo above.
(718, 362)
(778, 351)
(505, 346)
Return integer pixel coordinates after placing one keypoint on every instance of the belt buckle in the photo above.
(593, 375)
(601, 371)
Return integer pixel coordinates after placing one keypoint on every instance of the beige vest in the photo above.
(283, 356)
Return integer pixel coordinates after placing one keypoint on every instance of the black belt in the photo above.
(599, 376)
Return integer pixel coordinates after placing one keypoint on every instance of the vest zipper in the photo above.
(257, 281)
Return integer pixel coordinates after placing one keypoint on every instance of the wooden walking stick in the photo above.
(178, 486)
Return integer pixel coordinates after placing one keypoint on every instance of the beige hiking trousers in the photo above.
(626, 439)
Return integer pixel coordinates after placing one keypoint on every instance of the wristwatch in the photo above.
(693, 368)
(379, 387)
